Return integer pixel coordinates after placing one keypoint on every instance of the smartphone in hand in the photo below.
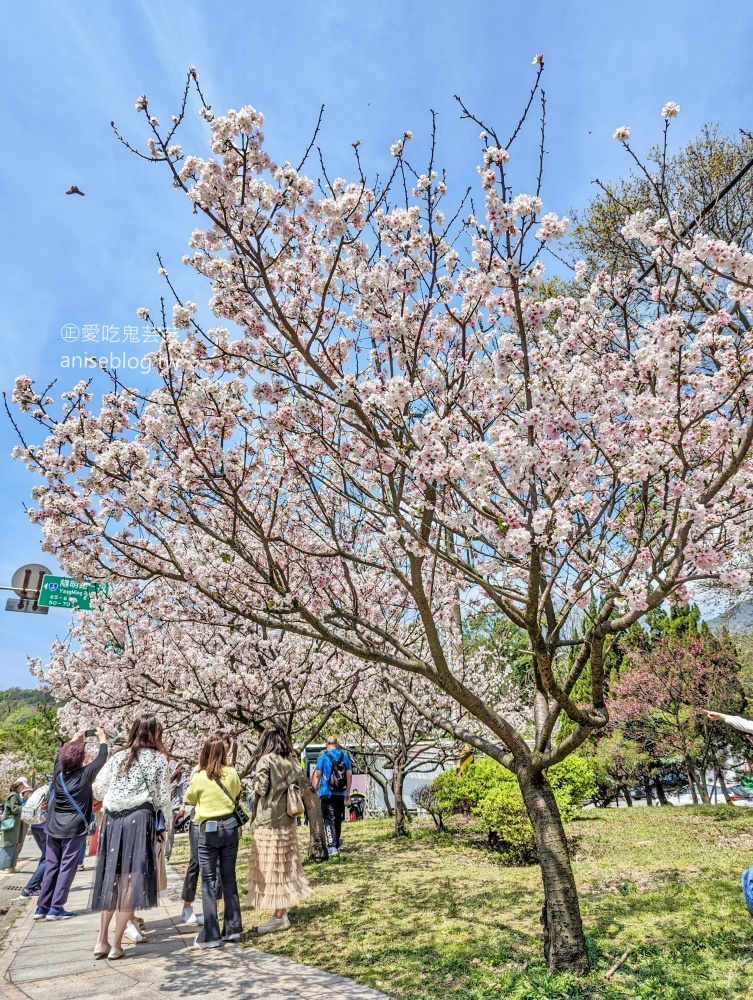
(90, 732)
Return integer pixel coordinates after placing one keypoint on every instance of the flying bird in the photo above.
(75, 190)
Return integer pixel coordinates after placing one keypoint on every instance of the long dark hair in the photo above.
(213, 756)
(274, 739)
(145, 734)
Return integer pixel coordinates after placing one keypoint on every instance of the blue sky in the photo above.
(68, 69)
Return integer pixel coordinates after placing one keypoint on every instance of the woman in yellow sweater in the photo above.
(213, 791)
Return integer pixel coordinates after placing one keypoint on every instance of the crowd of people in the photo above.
(127, 796)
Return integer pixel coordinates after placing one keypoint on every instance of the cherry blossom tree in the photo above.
(394, 739)
(12, 766)
(158, 647)
(410, 425)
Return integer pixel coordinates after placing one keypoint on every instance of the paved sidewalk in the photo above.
(53, 961)
(11, 885)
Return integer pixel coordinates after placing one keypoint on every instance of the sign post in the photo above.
(65, 592)
(27, 582)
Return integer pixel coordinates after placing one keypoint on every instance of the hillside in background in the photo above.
(739, 618)
(31, 700)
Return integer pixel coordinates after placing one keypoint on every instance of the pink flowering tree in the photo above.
(12, 766)
(158, 647)
(392, 739)
(403, 424)
(655, 697)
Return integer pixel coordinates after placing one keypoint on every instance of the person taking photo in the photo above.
(69, 814)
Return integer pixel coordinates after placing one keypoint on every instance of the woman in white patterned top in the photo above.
(133, 785)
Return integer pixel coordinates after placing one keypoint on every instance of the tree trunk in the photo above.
(626, 793)
(691, 782)
(383, 784)
(402, 817)
(702, 789)
(660, 793)
(722, 783)
(647, 790)
(317, 835)
(564, 943)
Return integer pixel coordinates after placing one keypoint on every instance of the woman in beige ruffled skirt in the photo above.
(276, 880)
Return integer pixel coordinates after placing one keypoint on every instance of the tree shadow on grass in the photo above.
(683, 946)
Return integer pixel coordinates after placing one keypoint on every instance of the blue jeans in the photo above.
(192, 872)
(8, 856)
(40, 839)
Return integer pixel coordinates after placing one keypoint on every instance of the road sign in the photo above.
(28, 579)
(65, 592)
(25, 604)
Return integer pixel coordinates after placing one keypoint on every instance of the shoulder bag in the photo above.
(8, 822)
(89, 826)
(240, 814)
(295, 801)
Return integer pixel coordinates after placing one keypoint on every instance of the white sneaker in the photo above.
(274, 924)
(206, 944)
(133, 933)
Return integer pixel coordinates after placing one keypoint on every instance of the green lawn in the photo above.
(437, 916)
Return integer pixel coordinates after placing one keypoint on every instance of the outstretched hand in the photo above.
(712, 716)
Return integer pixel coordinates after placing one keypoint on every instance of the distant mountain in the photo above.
(14, 698)
(739, 618)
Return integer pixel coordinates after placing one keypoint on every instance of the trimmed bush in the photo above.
(489, 792)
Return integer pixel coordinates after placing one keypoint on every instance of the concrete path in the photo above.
(53, 961)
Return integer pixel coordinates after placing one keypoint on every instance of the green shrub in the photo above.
(448, 790)
(491, 793)
(572, 781)
(479, 778)
(502, 812)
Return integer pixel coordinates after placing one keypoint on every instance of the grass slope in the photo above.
(438, 916)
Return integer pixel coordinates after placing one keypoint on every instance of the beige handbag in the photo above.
(161, 870)
(295, 801)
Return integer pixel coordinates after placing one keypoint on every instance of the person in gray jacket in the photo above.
(276, 879)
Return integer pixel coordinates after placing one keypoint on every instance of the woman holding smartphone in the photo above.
(68, 816)
(213, 792)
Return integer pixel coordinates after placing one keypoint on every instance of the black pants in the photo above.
(217, 856)
(192, 872)
(333, 811)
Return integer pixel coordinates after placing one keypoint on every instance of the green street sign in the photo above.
(65, 592)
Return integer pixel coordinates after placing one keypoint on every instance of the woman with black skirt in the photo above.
(133, 786)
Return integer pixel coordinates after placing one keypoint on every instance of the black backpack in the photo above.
(336, 781)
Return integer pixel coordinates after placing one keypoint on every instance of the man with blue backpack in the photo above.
(332, 780)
